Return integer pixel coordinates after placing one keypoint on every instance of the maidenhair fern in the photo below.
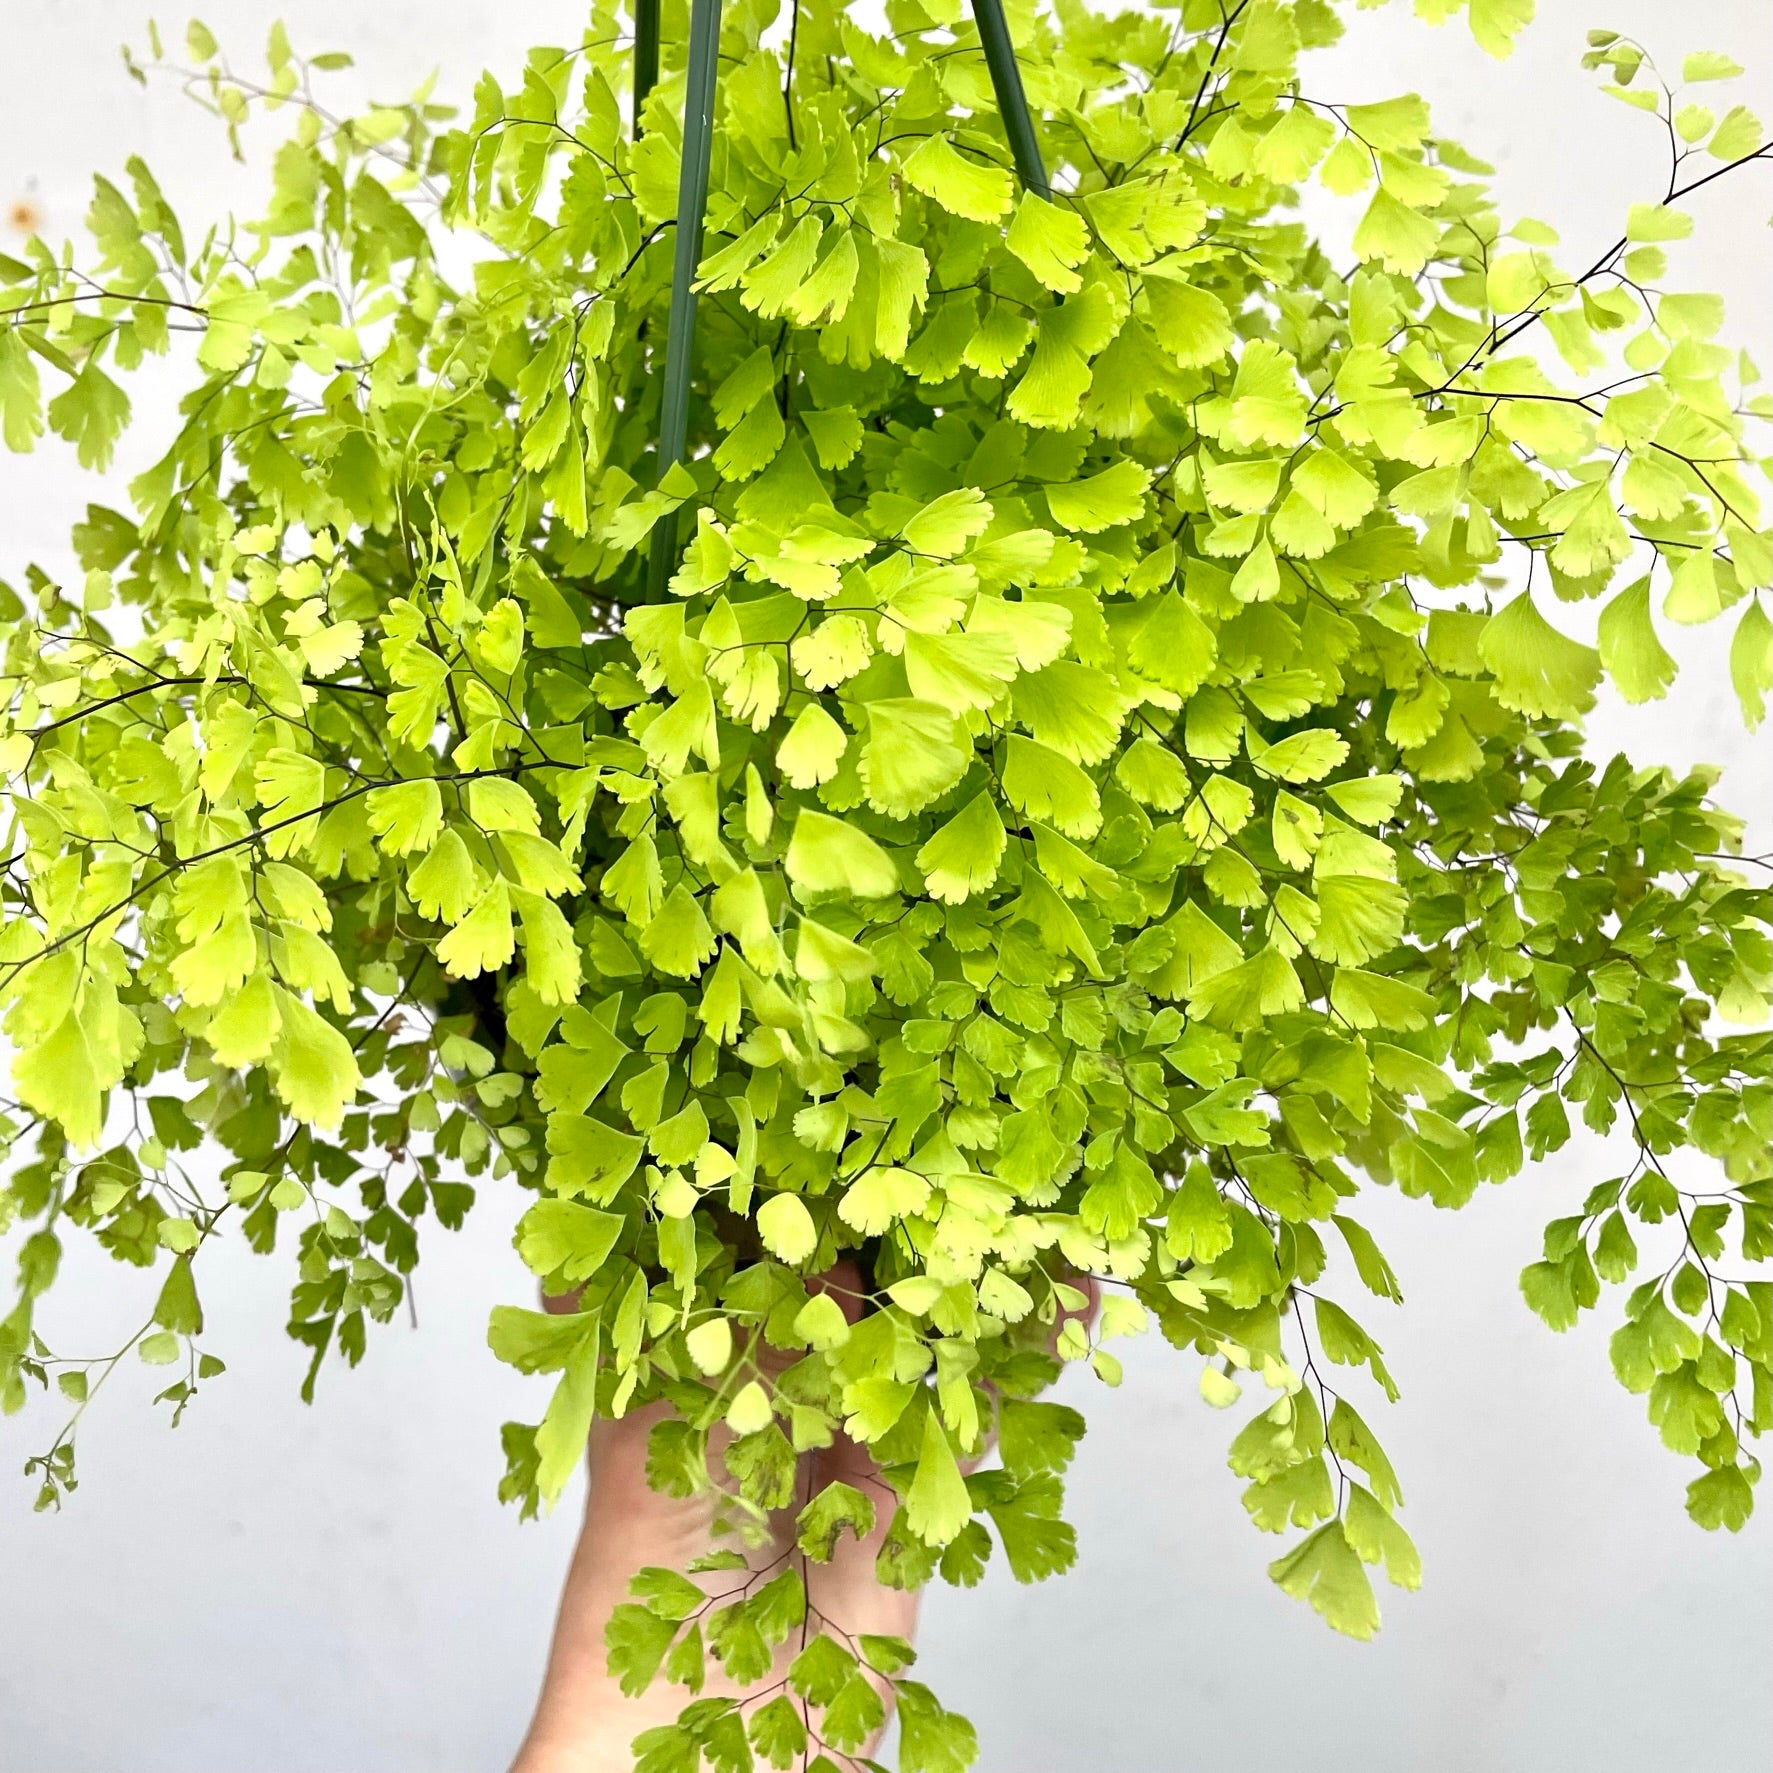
(1066, 763)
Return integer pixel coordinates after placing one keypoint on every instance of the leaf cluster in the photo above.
(1103, 788)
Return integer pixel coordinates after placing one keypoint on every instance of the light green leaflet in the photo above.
(1101, 787)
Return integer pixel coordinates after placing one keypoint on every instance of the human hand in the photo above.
(584, 1723)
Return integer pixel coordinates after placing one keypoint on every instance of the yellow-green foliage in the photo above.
(1104, 786)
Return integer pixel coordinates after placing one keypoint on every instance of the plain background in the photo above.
(274, 1589)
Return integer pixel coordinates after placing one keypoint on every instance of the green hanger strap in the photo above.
(1012, 101)
(646, 54)
(680, 337)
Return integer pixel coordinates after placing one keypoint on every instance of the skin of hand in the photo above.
(583, 1722)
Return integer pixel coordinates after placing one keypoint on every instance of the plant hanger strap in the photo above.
(680, 336)
(1012, 101)
(646, 54)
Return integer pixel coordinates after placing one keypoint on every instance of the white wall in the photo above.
(274, 1589)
